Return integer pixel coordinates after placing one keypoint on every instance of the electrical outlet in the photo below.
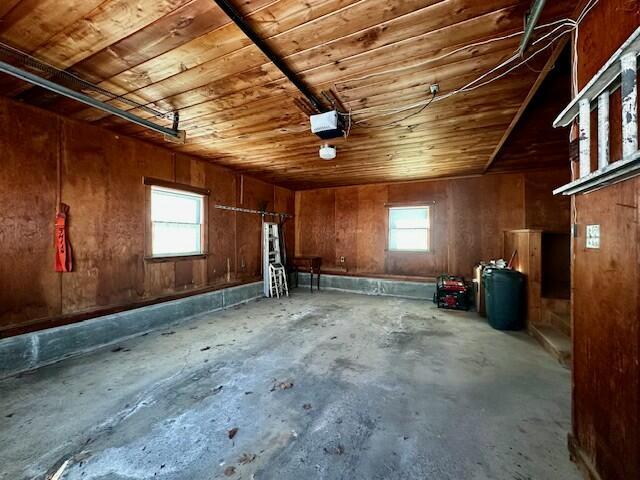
(593, 236)
(341, 259)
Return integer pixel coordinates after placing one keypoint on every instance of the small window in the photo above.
(176, 222)
(409, 229)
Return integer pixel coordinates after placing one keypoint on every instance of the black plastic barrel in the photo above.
(504, 298)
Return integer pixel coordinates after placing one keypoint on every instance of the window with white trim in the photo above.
(176, 222)
(410, 229)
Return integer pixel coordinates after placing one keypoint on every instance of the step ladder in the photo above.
(277, 281)
(274, 272)
(619, 73)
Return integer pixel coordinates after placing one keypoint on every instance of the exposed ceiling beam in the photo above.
(239, 20)
(548, 66)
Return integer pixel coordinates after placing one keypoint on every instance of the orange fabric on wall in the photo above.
(63, 262)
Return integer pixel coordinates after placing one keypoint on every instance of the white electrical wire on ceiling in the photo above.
(561, 25)
(453, 52)
(471, 85)
(483, 76)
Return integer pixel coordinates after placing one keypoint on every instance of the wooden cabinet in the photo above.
(527, 244)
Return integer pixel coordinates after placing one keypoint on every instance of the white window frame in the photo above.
(200, 222)
(427, 230)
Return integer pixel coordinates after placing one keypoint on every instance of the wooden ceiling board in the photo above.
(433, 132)
(223, 87)
(166, 34)
(212, 114)
(358, 143)
(368, 97)
(217, 121)
(221, 42)
(358, 64)
(103, 26)
(440, 111)
(6, 7)
(190, 78)
(248, 58)
(217, 43)
(351, 149)
(430, 140)
(30, 23)
(438, 121)
(237, 107)
(351, 61)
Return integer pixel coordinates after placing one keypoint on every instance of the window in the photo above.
(176, 222)
(409, 229)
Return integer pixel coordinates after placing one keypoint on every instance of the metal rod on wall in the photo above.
(87, 100)
(257, 212)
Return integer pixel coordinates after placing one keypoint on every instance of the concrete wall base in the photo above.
(33, 350)
(371, 286)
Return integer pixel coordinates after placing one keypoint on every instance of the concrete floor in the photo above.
(382, 388)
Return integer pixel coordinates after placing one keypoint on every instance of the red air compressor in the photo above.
(452, 292)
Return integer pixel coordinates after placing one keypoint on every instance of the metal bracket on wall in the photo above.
(169, 133)
(182, 135)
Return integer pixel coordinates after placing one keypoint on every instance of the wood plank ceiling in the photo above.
(238, 109)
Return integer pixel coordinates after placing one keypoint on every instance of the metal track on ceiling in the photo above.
(25, 67)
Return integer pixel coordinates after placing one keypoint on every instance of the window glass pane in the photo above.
(409, 217)
(408, 239)
(175, 238)
(172, 206)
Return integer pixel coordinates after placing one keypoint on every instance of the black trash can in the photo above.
(504, 298)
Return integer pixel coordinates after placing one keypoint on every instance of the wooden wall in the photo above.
(469, 218)
(99, 174)
(470, 214)
(606, 293)
(528, 245)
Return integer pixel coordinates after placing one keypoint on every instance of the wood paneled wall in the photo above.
(527, 244)
(99, 174)
(606, 293)
(469, 218)
(534, 142)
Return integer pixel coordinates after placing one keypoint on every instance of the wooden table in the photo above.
(308, 264)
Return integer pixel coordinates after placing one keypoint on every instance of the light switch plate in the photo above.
(593, 236)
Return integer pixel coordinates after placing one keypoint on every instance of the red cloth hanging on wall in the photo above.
(63, 247)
